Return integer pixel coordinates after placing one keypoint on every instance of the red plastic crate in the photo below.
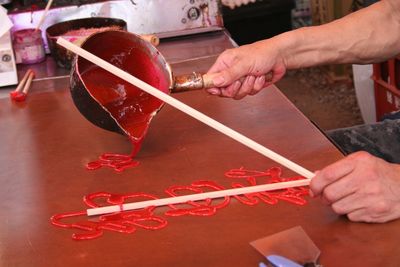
(386, 76)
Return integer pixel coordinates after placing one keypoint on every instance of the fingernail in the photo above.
(237, 85)
(260, 79)
(219, 80)
(213, 91)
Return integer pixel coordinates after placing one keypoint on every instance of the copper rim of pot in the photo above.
(61, 55)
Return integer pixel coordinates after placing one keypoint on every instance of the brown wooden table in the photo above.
(45, 143)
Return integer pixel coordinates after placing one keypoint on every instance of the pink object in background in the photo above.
(28, 46)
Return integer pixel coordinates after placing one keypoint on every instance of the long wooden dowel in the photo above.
(185, 108)
(194, 197)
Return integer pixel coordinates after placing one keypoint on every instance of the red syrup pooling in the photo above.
(118, 162)
(17, 96)
(129, 221)
(129, 106)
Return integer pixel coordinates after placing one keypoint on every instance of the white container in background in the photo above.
(364, 87)
(8, 69)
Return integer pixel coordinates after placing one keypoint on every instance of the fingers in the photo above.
(232, 74)
(356, 206)
(249, 85)
(330, 174)
(347, 205)
(214, 91)
(274, 76)
(230, 67)
(359, 215)
(231, 90)
(246, 87)
(258, 85)
(365, 215)
(340, 189)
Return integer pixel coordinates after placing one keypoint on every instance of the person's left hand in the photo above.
(247, 69)
(364, 187)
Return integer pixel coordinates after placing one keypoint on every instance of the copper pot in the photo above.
(113, 104)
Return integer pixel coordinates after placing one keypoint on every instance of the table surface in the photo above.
(45, 144)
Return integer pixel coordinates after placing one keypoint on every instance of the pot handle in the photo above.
(193, 81)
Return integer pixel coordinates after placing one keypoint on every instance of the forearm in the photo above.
(369, 35)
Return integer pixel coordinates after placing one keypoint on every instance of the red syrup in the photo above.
(272, 175)
(196, 208)
(130, 107)
(118, 162)
(122, 222)
(130, 221)
(18, 96)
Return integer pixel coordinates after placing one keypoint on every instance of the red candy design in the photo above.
(130, 221)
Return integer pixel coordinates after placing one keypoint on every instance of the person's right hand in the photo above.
(247, 69)
(364, 187)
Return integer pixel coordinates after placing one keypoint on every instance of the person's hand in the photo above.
(364, 187)
(247, 69)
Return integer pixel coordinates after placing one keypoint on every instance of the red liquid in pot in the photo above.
(131, 107)
(128, 105)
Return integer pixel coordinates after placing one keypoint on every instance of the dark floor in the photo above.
(329, 104)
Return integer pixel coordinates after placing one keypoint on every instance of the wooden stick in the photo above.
(17, 95)
(21, 96)
(28, 83)
(44, 15)
(185, 108)
(22, 82)
(194, 197)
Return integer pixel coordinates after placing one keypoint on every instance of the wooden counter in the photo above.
(45, 144)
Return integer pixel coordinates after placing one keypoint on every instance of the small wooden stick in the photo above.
(21, 96)
(28, 82)
(194, 197)
(185, 108)
(151, 38)
(17, 94)
(44, 15)
(22, 82)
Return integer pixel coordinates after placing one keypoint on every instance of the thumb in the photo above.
(225, 77)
